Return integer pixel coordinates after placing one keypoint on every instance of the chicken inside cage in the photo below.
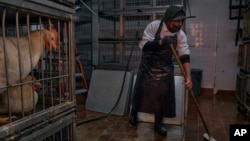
(34, 62)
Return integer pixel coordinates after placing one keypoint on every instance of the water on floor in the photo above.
(219, 112)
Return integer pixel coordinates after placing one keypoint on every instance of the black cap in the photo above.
(173, 13)
(179, 16)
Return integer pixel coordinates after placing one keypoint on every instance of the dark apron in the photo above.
(154, 90)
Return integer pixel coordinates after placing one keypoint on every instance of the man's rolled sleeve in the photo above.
(149, 33)
(183, 47)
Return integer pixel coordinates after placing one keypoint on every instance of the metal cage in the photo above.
(37, 94)
(243, 56)
(243, 92)
(121, 25)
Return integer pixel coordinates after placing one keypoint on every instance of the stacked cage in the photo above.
(243, 78)
(121, 25)
(37, 98)
(83, 38)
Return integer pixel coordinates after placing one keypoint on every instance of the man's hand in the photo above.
(168, 40)
(188, 84)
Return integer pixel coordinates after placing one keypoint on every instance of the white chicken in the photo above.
(29, 94)
(39, 40)
(15, 96)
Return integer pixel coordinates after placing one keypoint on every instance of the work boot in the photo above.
(160, 129)
(133, 118)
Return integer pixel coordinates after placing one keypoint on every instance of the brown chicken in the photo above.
(30, 98)
(38, 41)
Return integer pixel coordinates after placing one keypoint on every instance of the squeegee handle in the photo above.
(190, 90)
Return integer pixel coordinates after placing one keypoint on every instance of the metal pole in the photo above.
(88, 7)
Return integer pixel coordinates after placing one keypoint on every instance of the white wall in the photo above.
(212, 37)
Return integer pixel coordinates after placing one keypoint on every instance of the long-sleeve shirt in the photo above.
(182, 47)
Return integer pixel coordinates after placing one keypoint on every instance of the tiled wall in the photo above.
(212, 39)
